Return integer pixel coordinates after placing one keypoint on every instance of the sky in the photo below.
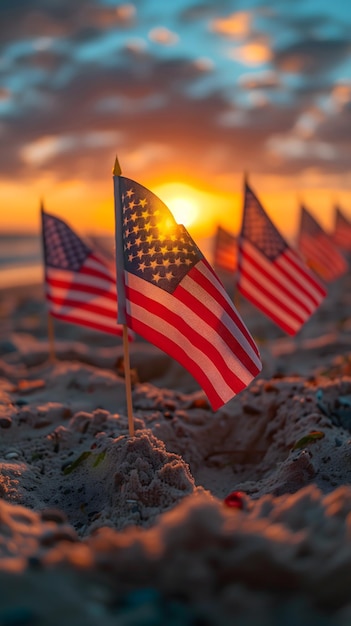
(190, 95)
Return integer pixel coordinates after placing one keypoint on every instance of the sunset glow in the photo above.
(188, 102)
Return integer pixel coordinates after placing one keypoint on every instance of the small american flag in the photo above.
(80, 288)
(342, 230)
(271, 275)
(170, 295)
(225, 255)
(318, 249)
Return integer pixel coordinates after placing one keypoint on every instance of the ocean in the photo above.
(20, 260)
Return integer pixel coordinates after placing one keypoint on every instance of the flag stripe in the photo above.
(225, 251)
(257, 298)
(84, 305)
(92, 322)
(213, 288)
(176, 351)
(288, 278)
(295, 269)
(191, 348)
(92, 267)
(275, 284)
(81, 280)
(189, 331)
(193, 326)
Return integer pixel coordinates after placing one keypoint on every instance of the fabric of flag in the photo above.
(170, 295)
(271, 274)
(318, 249)
(342, 230)
(225, 256)
(80, 288)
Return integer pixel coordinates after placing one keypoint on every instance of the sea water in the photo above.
(20, 260)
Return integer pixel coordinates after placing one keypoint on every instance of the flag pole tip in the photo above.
(117, 168)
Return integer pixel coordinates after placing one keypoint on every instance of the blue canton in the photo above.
(155, 247)
(309, 225)
(63, 249)
(259, 230)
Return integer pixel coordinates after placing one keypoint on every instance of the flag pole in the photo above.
(121, 314)
(128, 382)
(51, 331)
(51, 339)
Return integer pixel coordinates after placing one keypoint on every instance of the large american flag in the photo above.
(318, 249)
(270, 273)
(170, 295)
(80, 288)
(225, 255)
(342, 230)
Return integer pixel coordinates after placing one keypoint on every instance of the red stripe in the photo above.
(272, 298)
(76, 320)
(89, 289)
(294, 280)
(197, 339)
(85, 306)
(228, 307)
(246, 256)
(90, 271)
(268, 312)
(170, 347)
(319, 249)
(202, 311)
(295, 262)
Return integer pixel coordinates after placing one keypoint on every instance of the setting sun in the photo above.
(182, 200)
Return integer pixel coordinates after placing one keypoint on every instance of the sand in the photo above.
(100, 528)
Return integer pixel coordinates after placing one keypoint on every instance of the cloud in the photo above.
(264, 80)
(253, 53)
(163, 36)
(235, 25)
(312, 56)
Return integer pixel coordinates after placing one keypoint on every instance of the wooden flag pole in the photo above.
(51, 332)
(119, 259)
(51, 339)
(128, 382)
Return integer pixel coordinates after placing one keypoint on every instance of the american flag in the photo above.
(225, 255)
(342, 230)
(318, 249)
(271, 275)
(80, 288)
(170, 295)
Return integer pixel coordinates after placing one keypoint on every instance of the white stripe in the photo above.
(80, 279)
(101, 301)
(215, 308)
(95, 264)
(246, 284)
(83, 315)
(303, 280)
(266, 284)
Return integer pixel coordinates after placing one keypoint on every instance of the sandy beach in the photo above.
(98, 527)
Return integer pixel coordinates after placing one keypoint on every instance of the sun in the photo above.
(185, 210)
(182, 200)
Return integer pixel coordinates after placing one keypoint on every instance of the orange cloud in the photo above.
(234, 25)
(255, 53)
(163, 36)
